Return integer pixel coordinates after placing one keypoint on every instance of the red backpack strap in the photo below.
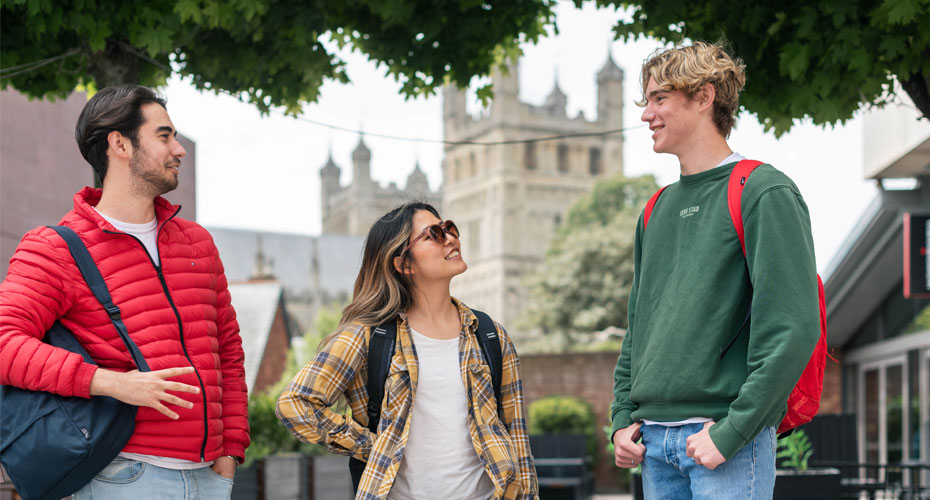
(735, 195)
(650, 205)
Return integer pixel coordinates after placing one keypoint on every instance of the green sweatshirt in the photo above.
(692, 289)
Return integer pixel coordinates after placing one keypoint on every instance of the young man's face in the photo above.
(672, 117)
(156, 162)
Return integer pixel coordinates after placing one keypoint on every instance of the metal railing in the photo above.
(899, 481)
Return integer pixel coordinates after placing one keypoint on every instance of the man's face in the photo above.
(672, 117)
(156, 161)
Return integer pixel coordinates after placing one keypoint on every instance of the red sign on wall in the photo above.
(916, 258)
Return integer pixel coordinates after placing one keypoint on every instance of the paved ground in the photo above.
(613, 497)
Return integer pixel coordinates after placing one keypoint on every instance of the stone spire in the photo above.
(555, 103)
(361, 163)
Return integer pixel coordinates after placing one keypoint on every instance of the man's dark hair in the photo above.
(111, 109)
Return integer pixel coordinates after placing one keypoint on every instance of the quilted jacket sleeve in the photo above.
(232, 362)
(33, 295)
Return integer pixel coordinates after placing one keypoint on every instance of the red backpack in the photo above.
(804, 400)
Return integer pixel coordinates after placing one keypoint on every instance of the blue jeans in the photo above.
(130, 479)
(669, 474)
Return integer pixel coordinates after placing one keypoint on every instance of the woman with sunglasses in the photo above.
(442, 432)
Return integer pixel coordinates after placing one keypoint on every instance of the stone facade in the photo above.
(509, 199)
(353, 208)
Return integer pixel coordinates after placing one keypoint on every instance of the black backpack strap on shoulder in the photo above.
(380, 351)
(94, 279)
(490, 344)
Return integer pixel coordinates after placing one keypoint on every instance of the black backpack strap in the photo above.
(94, 279)
(380, 351)
(490, 344)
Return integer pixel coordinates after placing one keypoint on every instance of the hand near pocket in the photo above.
(702, 450)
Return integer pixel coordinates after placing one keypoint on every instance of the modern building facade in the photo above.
(41, 167)
(884, 354)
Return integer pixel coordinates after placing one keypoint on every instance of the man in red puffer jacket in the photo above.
(165, 274)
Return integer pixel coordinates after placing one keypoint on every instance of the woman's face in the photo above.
(429, 259)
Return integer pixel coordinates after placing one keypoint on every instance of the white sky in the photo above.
(262, 172)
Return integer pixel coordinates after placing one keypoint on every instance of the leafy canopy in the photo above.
(269, 52)
(583, 285)
(820, 59)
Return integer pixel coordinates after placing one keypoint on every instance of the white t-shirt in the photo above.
(440, 461)
(696, 420)
(146, 233)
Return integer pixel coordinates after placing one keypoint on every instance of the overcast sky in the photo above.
(262, 172)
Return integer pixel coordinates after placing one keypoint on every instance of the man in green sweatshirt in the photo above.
(716, 340)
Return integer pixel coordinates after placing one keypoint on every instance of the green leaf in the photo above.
(189, 10)
(794, 60)
(900, 11)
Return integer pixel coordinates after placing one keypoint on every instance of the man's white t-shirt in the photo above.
(146, 233)
(440, 461)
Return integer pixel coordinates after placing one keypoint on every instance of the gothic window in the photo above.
(529, 155)
(563, 158)
(594, 161)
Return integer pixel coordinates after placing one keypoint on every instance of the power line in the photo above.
(468, 143)
(32, 66)
(20, 69)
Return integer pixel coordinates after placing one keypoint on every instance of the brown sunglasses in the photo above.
(436, 232)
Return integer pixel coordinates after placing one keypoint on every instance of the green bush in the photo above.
(795, 449)
(564, 415)
(269, 436)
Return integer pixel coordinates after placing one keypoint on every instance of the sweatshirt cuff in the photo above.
(620, 420)
(727, 438)
(82, 378)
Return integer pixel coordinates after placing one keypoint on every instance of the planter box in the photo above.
(636, 484)
(810, 484)
(331, 479)
(294, 476)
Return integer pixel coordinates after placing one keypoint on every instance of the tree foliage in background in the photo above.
(820, 59)
(268, 434)
(584, 283)
(269, 52)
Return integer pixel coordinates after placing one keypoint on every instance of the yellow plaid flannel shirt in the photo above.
(502, 442)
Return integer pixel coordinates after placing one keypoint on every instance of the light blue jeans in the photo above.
(669, 474)
(130, 479)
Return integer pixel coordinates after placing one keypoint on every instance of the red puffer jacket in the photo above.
(179, 314)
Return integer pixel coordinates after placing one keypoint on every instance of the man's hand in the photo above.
(702, 450)
(628, 453)
(225, 466)
(144, 388)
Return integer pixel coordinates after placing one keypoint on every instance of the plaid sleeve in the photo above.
(304, 407)
(514, 417)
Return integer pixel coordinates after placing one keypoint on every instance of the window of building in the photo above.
(594, 161)
(529, 155)
(563, 158)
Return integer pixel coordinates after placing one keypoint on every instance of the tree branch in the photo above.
(918, 88)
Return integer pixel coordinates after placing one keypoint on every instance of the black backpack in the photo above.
(380, 351)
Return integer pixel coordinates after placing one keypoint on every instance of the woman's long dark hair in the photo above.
(381, 292)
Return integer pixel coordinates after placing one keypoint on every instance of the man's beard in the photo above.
(145, 180)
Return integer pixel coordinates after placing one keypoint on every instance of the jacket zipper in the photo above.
(164, 286)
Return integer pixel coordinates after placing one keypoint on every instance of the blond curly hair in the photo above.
(688, 68)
